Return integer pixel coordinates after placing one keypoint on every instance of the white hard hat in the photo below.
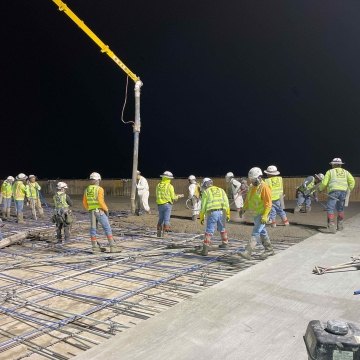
(10, 178)
(138, 172)
(95, 176)
(254, 173)
(61, 185)
(337, 161)
(320, 176)
(229, 175)
(167, 174)
(207, 182)
(192, 177)
(272, 170)
(21, 176)
(32, 176)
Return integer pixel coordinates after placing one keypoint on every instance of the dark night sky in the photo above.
(227, 86)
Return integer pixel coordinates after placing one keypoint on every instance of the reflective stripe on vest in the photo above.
(254, 199)
(215, 198)
(276, 186)
(19, 190)
(60, 200)
(91, 194)
(6, 190)
(33, 190)
(308, 187)
(163, 194)
(338, 180)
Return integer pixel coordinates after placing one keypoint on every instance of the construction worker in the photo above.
(214, 202)
(34, 197)
(6, 192)
(275, 183)
(233, 188)
(194, 196)
(258, 199)
(62, 214)
(20, 191)
(307, 191)
(165, 197)
(338, 183)
(142, 195)
(93, 201)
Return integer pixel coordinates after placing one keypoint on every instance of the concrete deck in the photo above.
(259, 313)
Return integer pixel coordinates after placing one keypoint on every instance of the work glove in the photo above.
(227, 218)
(264, 219)
(242, 212)
(202, 222)
(107, 213)
(202, 218)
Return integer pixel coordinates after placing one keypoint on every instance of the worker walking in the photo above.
(338, 183)
(34, 197)
(194, 196)
(275, 183)
(20, 191)
(7, 192)
(308, 191)
(93, 201)
(165, 197)
(214, 202)
(234, 191)
(142, 194)
(258, 199)
(62, 214)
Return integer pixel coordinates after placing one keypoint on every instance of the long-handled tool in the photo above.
(355, 262)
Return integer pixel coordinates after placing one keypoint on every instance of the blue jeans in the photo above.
(215, 218)
(19, 206)
(259, 228)
(101, 217)
(276, 209)
(6, 203)
(301, 199)
(334, 203)
(164, 214)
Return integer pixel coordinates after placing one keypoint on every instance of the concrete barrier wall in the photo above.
(122, 187)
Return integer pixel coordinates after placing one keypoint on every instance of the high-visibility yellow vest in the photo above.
(19, 190)
(165, 192)
(6, 190)
(214, 198)
(254, 200)
(276, 186)
(91, 194)
(60, 200)
(338, 179)
(33, 190)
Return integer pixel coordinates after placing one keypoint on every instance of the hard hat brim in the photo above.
(272, 172)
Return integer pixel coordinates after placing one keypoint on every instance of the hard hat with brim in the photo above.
(167, 174)
(337, 161)
(272, 170)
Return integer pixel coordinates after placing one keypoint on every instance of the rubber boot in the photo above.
(297, 209)
(269, 250)
(95, 246)
(167, 229)
(159, 230)
(113, 248)
(340, 221)
(240, 214)
(206, 244)
(224, 240)
(249, 248)
(20, 218)
(8, 213)
(331, 223)
(285, 221)
(307, 208)
(41, 212)
(273, 224)
(194, 217)
(4, 214)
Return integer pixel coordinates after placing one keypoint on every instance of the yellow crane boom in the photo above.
(104, 48)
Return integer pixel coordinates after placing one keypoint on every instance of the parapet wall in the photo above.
(122, 187)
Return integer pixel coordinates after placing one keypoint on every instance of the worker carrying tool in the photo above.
(275, 183)
(214, 202)
(20, 192)
(7, 192)
(338, 183)
(142, 195)
(194, 196)
(34, 197)
(258, 199)
(307, 191)
(62, 214)
(234, 191)
(93, 201)
(165, 197)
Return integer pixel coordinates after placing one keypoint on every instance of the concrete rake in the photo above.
(355, 262)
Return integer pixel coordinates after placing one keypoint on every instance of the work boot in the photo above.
(4, 214)
(95, 246)
(285, 221)
(159, 230)
(194, 217)
(205, 250)
(41, 213)
(331, 223)
(249, 248)
(8, 214)
(20, 218)
(307, 208)
(273, 224)
(297, 209)
(224, 239)
(167, 229)
(340, 223)
(113, 248)
(269, 250)
(137, 212)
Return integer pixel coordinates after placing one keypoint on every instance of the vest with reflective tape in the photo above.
(33, 189)
(6, 190)
(254, 200)
(338, 180)
(91, 194)
(163, 193)
(19, 190)
(60, 200)
(276, 186)
(307, 188)
(216, 198)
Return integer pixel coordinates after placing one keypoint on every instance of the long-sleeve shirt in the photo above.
(142, 185)
(101, 200)
(262, 193)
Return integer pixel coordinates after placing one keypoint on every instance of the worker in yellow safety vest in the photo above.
(165, 197)
(194, 196)
(338, 183)
(214, 203)
(275, 183)
(34, 197)
(258, 200)
(6, 193)
(20, 192)
(93, 201)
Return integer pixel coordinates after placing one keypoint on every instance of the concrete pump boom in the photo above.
(105, 49)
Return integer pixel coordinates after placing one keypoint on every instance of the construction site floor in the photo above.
(259, 313)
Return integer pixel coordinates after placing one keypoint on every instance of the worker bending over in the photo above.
(308, 191)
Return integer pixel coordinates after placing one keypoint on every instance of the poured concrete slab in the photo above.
(259, 313)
